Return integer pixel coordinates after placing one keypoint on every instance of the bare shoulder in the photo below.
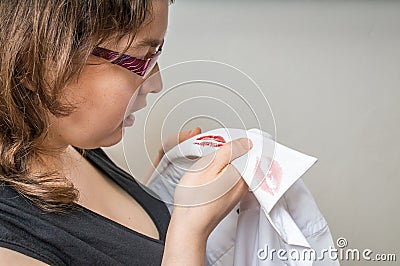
(11, 257)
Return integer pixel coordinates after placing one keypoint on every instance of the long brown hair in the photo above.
(43, 45)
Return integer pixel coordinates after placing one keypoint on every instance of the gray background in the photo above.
(331, 73)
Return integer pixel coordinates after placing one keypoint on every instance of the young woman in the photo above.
(64, 93)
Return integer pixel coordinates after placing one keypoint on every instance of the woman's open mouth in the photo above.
(129, 120)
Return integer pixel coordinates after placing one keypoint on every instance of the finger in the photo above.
(193, 191)
(231, 151)
(187, 134)
(195, 131)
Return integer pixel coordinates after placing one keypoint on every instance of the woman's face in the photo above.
(102, 92)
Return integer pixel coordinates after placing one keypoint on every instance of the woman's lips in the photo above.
(129, 120)
(137, 103)
(136, 109)
(210, 140)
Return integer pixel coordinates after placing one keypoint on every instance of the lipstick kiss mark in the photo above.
(210, 140)
(272, 180)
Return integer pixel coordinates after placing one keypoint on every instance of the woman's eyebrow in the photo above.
(149, 42)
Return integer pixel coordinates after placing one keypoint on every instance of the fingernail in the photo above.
(246, 143)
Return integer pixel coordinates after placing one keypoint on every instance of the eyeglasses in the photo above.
(138, 66)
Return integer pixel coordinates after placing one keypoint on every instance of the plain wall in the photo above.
(331, 73)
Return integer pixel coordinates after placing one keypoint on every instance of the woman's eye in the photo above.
(150, 53)
(154, 50)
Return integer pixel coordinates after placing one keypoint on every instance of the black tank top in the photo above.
(83, 237)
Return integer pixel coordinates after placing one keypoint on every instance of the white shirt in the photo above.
(277, 223)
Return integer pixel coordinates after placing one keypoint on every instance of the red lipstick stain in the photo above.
(210, 140)
(272, 180)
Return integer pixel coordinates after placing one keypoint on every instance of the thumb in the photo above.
(231, 151)
(187, 134)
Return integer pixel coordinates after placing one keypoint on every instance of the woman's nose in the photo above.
(153, 84)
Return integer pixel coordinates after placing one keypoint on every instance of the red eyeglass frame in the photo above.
(138, 66)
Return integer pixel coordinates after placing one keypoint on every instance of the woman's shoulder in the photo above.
(20, 221)
(26, 229)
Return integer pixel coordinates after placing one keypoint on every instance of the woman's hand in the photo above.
(168, 144)
(175, 139)
(212, 187)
